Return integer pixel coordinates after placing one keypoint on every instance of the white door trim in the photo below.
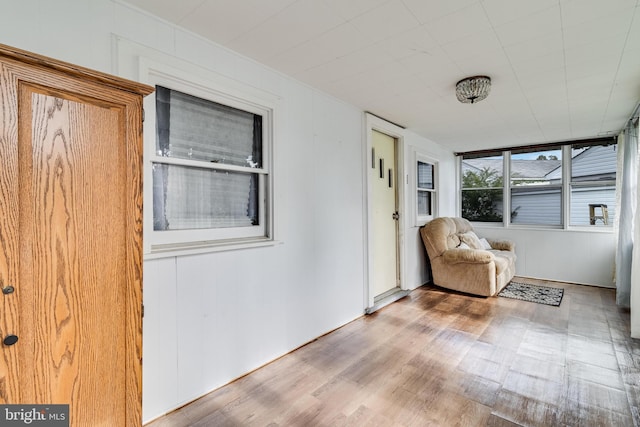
(372, 123)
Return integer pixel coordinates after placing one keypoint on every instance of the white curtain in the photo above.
(626, 195)
(635, 265)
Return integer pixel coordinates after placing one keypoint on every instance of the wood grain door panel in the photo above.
(71, 241)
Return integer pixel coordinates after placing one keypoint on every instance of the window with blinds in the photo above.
(208, 168)
(426, 189)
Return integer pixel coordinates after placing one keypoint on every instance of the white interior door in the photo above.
(384, 184)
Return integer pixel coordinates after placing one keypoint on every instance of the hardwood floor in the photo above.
(437, 358)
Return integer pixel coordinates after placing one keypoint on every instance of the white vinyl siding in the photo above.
(536, 206)
(597, 161)
(593, 182)
(582, 197)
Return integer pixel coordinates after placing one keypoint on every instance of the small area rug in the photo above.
(533, 293)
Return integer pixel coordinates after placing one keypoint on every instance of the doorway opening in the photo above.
(385, 180)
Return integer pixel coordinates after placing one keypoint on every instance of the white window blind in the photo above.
(218, 185)
(425, 188)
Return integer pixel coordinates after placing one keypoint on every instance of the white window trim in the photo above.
(188, 78)
(419, 156)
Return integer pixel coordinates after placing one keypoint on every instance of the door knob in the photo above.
(7, 290)
(10, 339)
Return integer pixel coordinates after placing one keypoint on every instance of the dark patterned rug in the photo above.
(533, 293)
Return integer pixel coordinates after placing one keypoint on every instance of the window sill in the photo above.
(196, 248)
(573, 228)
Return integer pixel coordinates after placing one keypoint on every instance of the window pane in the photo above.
(593, 191)
(593, 205)
(482, 183)
(193, 128)
(193, 198)
(482, 205)
(424, 203)
(537, 168)
(482, 172)
(425, 175)
(536, 192)
(536, 205)
(594, 163)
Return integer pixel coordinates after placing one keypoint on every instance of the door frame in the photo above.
(372, 123)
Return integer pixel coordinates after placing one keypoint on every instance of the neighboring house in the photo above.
(536, 189)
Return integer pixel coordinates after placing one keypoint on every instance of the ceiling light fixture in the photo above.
(473, 89)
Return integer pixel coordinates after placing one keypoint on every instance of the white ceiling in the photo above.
(560, 69)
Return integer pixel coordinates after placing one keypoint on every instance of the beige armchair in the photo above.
(461, 261)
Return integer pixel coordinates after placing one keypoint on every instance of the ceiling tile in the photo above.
(616, 116)
(352, 8)
(345, 66)
(595, 57)
(546, 69)
(410, 42)
(627, 72)
(490, 62)
(385, 21)
(535, 48)
(460, 24)
(388, 76)
(576, 12)
(238, 18)
(593, 87)
(430, 62)
(306, 19)
(540, 24)
(429, 11)
(473, 45)
(504, 11)
(327, 47)
(633, 38)
(612, 25)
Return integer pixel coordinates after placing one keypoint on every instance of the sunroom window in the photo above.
(558, 185)
(593, 185)
(536, 186)
(482, 188)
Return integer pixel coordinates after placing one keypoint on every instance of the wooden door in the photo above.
(71, 251)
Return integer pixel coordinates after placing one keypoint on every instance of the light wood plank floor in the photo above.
(437, 358)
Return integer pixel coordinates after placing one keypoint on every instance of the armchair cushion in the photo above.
(485, 244)
(471, 239)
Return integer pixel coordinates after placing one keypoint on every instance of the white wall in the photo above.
(210, 318)
(416, 273)
(583, 257)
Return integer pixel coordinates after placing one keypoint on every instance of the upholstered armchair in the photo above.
(461, 261)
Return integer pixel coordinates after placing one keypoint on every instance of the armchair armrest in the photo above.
(469, 256)
(502, 245)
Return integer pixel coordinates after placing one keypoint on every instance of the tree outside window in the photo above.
(482, 189)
